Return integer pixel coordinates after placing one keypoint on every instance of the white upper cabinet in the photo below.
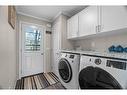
(97, 19)
(72, 27)
(113, 18)
(88, 21)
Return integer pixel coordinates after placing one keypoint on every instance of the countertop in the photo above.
(106, 54)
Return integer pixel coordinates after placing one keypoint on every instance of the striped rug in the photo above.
(40, 81)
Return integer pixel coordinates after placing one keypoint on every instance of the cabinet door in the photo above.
(56, 45)
(88, 21)
(72, 27)
(113, 17)
(56, 41)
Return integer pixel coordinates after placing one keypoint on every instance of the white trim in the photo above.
(44, 50)
(57, 16)
(20, 50)
(67, 14)
(20, 45)
(60, 13)
(44, 19)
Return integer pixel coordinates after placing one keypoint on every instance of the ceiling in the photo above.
(48, 13)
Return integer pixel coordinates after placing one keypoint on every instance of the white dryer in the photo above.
(68, 68)
(99, 72)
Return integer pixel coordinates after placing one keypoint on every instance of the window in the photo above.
(32, 39)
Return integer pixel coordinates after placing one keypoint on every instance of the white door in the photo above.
(113, 18)
(88, 21)
(32, 49)
(72, 27)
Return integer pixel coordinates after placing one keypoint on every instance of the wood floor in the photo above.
(40, 81)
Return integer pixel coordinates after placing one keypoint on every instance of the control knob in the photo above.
(97, 61)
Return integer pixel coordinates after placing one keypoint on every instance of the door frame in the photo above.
(20, 45)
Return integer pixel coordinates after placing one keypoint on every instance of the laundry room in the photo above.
(101, 48)
(63, 47)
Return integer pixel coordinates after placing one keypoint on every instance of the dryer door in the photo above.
(65, 70)
(97, 78)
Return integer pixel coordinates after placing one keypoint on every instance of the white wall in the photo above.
(34, 20)
(103, 43)
(7, 51)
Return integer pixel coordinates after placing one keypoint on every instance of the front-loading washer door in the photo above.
(65, 70)
(97, 78)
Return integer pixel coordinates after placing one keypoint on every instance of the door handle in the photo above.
(41, 53)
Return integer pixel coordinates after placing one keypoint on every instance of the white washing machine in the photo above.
(68, 68)
(99, 72)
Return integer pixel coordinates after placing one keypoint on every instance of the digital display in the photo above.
(71, 56)
(116, 64)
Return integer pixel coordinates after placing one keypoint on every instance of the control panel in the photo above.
(116, 64)
(71, 56)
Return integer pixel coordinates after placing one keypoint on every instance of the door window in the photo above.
(32, 39)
